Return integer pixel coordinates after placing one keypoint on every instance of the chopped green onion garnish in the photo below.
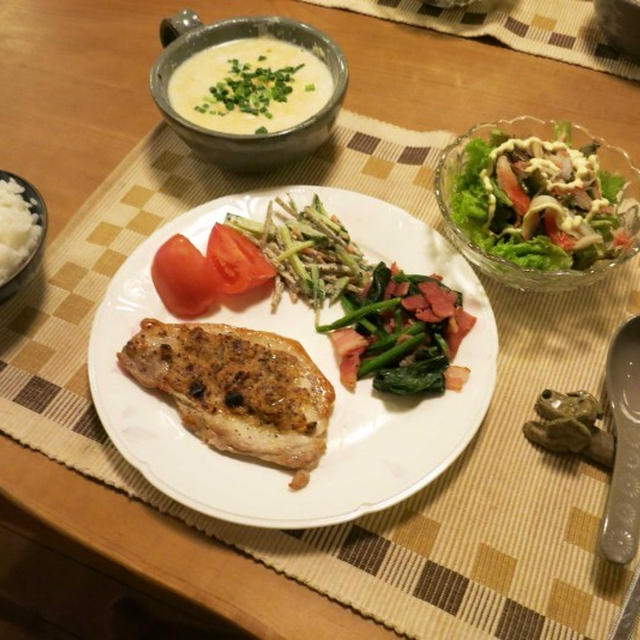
(252, 90)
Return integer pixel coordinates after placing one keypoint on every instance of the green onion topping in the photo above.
(250, 89)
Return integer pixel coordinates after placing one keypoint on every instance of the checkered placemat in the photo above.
(564, 30)
(503, 544)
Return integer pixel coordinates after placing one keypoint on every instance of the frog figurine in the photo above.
(568, 425)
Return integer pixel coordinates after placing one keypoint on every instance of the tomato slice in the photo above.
(239, 263)
(621, 238)
(185, 280)
(556, 235)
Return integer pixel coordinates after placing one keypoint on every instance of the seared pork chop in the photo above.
(242, 391)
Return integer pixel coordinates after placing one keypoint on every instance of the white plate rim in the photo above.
(280, 521)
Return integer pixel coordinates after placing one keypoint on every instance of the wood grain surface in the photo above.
(75, 100)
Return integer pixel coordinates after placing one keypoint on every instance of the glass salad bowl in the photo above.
(626, 218)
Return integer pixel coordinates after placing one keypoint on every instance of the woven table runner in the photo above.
(564, 30)
(502, 544)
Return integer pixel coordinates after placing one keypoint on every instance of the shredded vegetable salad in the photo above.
(313, 254)
(541, 204)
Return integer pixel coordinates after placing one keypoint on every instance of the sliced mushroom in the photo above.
(581, 199)
(543, 202)
(530, 224)
(587, 241)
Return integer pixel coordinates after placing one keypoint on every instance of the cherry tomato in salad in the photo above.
(238, 262)
(621, 238)
(185, 280)
(556, 235)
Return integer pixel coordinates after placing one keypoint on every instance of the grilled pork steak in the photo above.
(242, 391)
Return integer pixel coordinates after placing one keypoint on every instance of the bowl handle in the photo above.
(177, 24)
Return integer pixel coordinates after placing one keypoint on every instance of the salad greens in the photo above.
(538, 203)
(611, 184)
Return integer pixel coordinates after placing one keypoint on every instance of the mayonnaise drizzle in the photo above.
(584, 169)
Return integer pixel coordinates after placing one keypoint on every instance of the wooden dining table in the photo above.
(75, 100)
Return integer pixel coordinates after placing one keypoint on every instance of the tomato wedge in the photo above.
(238, 262)
(185, 280)
(556, 235)
(621, 238)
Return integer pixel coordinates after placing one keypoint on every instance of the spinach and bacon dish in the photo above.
(404, 330)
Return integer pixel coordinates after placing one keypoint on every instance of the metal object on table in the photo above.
(627, 619)
(621, 520)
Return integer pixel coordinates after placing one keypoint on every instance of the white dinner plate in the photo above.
(381, 448)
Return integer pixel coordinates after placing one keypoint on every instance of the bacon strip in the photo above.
(400, 289)
(442, 301)
(433, 304)
(427, 315)
(395, 289)
(457, 328)
(413, 303)
(455, 377)
(348, 345)
(349, 369)
(346, 340)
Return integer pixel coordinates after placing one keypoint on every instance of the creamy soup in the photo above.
(250, 85)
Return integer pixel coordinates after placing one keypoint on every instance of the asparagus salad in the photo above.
(541, 204)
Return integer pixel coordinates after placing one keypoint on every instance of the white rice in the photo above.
(19, 231)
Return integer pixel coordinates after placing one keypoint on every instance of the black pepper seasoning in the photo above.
(197, 389)
(233, 399)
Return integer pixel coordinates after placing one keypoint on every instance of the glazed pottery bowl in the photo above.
(620, 22)
(27, 269)
(183, 35)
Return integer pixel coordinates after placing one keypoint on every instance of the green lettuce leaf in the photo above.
(470, 202)
(537, 253)
(610, 184)
(476, 154)
(562, 131)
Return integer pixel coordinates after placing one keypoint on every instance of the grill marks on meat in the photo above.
(248, 392)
